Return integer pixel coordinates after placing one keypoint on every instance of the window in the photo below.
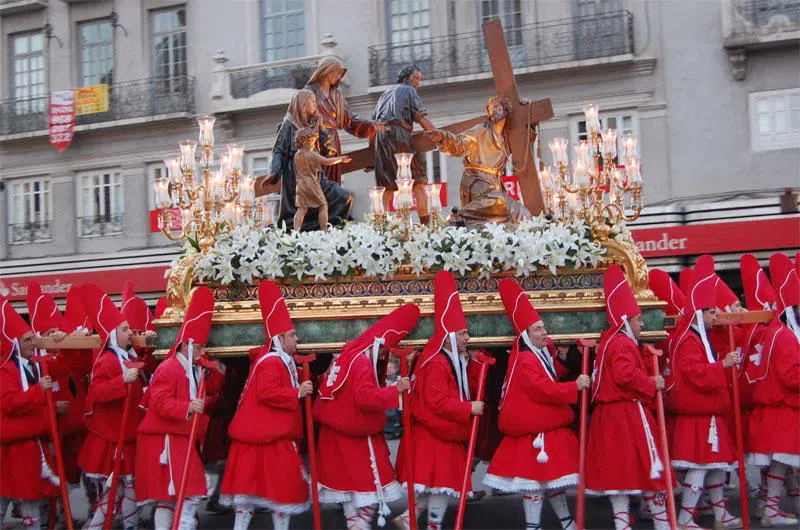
(96, 52)
(409, 21)
(257, 163)
(624, 123)
(510, 14)
(101, 206)
(168, 48)
(154, 172)
(283, 30)
(27, 73)
(31, 210)
(775, 120)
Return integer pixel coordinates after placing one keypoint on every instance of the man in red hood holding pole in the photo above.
(112, 381)
(441, 408)
(26, 464)
(351, 410)
(173, 400)
(264, 466)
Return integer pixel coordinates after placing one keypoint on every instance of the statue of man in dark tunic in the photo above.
(399, 108)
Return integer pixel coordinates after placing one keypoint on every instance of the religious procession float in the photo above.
(557, 241)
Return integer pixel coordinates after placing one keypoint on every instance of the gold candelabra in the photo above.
(210, 197)
(600, 189)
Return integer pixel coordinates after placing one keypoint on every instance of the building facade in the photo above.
(710, 88)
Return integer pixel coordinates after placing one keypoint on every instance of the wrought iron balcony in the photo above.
(132, 99)
(543, 43)
(292, 73)
(100, 226)
(30, 232)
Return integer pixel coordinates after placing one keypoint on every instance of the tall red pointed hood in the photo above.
(75, 316)
(12, 328)
(274, 312)
(42, 310)
(620, 302)
(448, 315)
(196, 326)
(784, 282)
(518, 307)
(103, 314)
(161, 306)
(386, 332)
(703, 288)
(725, 295)
(685, 279)
(757, 290)
(667, 291)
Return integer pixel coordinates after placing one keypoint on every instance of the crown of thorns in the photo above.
(503, 101)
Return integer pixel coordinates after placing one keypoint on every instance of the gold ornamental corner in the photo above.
(179, 287)
(630, 259)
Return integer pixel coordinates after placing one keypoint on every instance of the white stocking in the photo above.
(350, 515)
(437, 506)
(692, 490)
(775, 478)
(4, 502)
(31, 514)
(244, 514)
(130, 509)
(99, 517)
(620, 504)
(420, 505)
(558, 500)
(793, 487)
(715, 485)
(656, 502)
(188, 522)
(532, 505)
(162, 517)
(280, 520)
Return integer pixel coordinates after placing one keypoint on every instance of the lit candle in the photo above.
(376, 199)
(236, 153)
(433, 192)
(206, 126)
(217, 186)
(592, 118)
(610, 143)
(558, 147)
(188, 149)
(579, 174)
(633, 171)
(630, 147)
(403, 197)
(246, 191)
(173, 169)
(582, 152)
(161, 190)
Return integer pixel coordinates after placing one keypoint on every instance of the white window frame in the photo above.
(30, 95)
(95, 49)
(617, 115)
(788, 139)
(173, 79)
(250, 159)
(414, 25)
(283, 51)
(512, 16)
(110, 210)
(17, 211)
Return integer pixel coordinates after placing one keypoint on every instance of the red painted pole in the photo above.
(176, 519)
(485, 361)
(737, 418)
(580, 500)
(662, 426)
(118, 450)
(59, 455)
(305, 360)
(408, 443)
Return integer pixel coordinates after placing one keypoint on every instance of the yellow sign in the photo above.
(91, 99)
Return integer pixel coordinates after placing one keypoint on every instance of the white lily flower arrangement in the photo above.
(243, 255)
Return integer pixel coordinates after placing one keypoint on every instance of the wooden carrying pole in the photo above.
(408, 441)
(201, 394)
(305, 361)
(485, 361)
(59, 455)
(118, 450)
(662, 427)
(580, 500)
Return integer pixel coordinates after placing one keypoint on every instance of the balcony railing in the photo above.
(131, 99)
(538, 44)
(769, 12)
(30, 232)
(292, 73)
(100, 226)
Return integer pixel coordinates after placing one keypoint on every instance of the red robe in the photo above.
(24, 430)
(441, 424)
(535, 409)
(264, 466)
(163, 439)
(618, 457)
(776, 395)
(69, 384)
(700, 403)
(351, 434)
(104, 404)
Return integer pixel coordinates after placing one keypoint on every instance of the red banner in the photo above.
(175, 220)
(62, 118)
(715, 238)
(145, 280)
(511, 184)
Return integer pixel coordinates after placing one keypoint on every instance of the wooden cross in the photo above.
(524, 117)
